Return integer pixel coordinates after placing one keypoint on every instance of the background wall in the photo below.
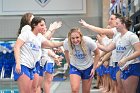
(9, 24)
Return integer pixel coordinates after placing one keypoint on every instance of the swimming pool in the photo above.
(8, 86)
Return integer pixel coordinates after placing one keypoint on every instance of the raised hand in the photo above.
(57, 60)
(55, 25)
(59, 24)
(83, 23)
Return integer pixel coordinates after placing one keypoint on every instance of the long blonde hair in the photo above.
(82, 44)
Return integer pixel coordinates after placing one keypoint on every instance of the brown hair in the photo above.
(35, 21)
(127, 21)
(25, 20)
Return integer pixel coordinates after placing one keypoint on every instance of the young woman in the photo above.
(127, 52)
(79, 54)
(43, 66)
(49, 58)
(25, 20)
(25, 26)
(111, 32)
(27, 52)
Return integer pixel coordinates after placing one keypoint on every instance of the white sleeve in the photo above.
(26, 28)
(24, 36)
(114, 40)
(41, 38)
(91, 43)
(65, 44)
(134, 39)
(114, 31)
(44, 57)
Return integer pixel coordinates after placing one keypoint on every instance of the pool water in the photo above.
(8, 86)
(9, 91)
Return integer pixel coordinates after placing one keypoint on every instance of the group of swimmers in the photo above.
(114, 56)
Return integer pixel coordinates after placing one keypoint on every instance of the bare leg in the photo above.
(35, 83)
(47, 82)
(129, 88)
(23, 86)
(86, 85)
(106, 83)
(40, 84)
(75, 83)
(120, 88)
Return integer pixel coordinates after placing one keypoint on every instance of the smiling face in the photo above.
(119, 25)
(112, 21)
(38, 25)
(75, 38)
(41, 27)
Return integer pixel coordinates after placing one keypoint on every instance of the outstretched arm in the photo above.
(96, 60)
(66, 52)
(108, 48)
(97, 29)
(51, 44)
(56, 58)
(53, 27)
(107, 56)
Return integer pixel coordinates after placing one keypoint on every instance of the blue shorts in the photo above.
(84, 74)
(110, 70)
(49, 67)
(100, 70)
(107, 70)
(133, 69)
(38, 69)
(114, 72)
(24, 70)
(41, 71)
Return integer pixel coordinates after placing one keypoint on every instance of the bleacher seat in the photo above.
(6, 59)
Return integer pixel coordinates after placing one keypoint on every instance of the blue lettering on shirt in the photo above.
(79, 54)
(120, 49)
(35, 47)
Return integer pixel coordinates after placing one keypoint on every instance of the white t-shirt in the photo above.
(124, 47)
(114, 31)
(26, 28)
(30, 52)
(106, 42)
(46, 58)
(113, 58)
(78, 59)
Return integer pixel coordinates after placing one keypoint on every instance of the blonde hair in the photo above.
(82, 43)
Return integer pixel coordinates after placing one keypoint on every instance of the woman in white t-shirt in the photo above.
(79, 51)
(127, 52)
(111, 32)
(27, 52)
(48, 60)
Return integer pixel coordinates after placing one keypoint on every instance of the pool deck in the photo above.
(57, 86)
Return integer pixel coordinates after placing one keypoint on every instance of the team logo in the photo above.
(42, 3)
